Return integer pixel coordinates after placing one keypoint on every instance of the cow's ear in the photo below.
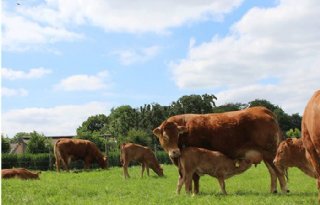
(157, 132)
(182, 129)
(289, 140)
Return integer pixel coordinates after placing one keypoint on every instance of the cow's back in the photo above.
(231, 131)
(134, 151)
(73, 147)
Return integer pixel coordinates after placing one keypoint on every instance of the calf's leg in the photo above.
(222, 185)
(196, 179)
(142, 170)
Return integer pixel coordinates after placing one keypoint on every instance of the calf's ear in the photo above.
(182, 129)
(157, 132)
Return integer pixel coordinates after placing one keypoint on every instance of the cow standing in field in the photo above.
(202, 161)
(232, 133)
(291, 153)
(134, 152)
(66, 150)
(311, 134)
(19, 173)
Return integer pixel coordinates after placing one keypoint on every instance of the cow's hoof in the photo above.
(275, 192)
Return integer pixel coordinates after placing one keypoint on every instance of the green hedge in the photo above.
(46, 161)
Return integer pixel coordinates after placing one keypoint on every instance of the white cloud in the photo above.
(129, 16)
(19, 33)
(281, 42)
(10, 92)
(11, 74)
(59, 120)
(83, 82)
(128, 57)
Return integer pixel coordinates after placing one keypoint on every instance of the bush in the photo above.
(46, 161)
(28, 161)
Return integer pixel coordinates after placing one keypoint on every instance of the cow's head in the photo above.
(168, 135)
(159, 171)
(285, 152)
(103, 162)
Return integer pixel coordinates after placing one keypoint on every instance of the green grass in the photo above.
(109, 187)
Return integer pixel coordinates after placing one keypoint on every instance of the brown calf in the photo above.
(19, 173)
(202, 161)
(291, 153)
(144, 155)
(310, 129)
(66, 150)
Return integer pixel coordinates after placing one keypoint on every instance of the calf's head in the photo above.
(103, 162)
(285, 152)
(168, 135)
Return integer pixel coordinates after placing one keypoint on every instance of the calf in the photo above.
(19, 173)
(202, 161)
(66, 150)
(291, 153)
(144, 155)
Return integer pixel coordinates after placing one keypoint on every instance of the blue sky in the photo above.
(63, 61)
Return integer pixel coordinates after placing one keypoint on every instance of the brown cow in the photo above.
(311, 134)
(291, 153)
(202, 161)
(66, 150)
(19, 173)
(232, 133)
(144, 155)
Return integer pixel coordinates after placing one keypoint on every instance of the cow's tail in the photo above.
(57, 151)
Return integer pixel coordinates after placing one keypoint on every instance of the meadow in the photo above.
(109, 187)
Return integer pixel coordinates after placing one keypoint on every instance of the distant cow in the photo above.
(144, 155)
(66, 150)
(291, 153)
(232, 133)
(311, 134)
(202, 161)
(19, 173)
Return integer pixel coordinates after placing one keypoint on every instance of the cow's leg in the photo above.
(87, 163)
(222, 185)
(147, 167)
(181, 181)
(125, 169)
(313, 157)
(188, 183)
(196, 179)
(273, 177)
(65, 163)
(274, 174)
(142, 170)
(58, 164)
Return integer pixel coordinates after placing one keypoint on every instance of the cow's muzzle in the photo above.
(175, 153)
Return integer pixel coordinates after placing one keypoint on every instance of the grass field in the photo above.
(109, 187)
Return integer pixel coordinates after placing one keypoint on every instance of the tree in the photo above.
(19, 137)
(122, 119)
(293, 133)
(94, 129)
(138, 137)
(38, 143)
(229, 107)
(5, 144)
(193, 104)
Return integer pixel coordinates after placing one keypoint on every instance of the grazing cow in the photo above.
(291, 153)
(232, 133)
(311, 134)
(19, 173)
(144, 155)
(202, 161)
(66, 150)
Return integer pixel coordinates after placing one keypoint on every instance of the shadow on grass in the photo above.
(252, 193)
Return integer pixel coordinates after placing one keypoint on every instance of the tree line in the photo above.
(128, 124)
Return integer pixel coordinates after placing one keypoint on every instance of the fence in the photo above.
(46, 161)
